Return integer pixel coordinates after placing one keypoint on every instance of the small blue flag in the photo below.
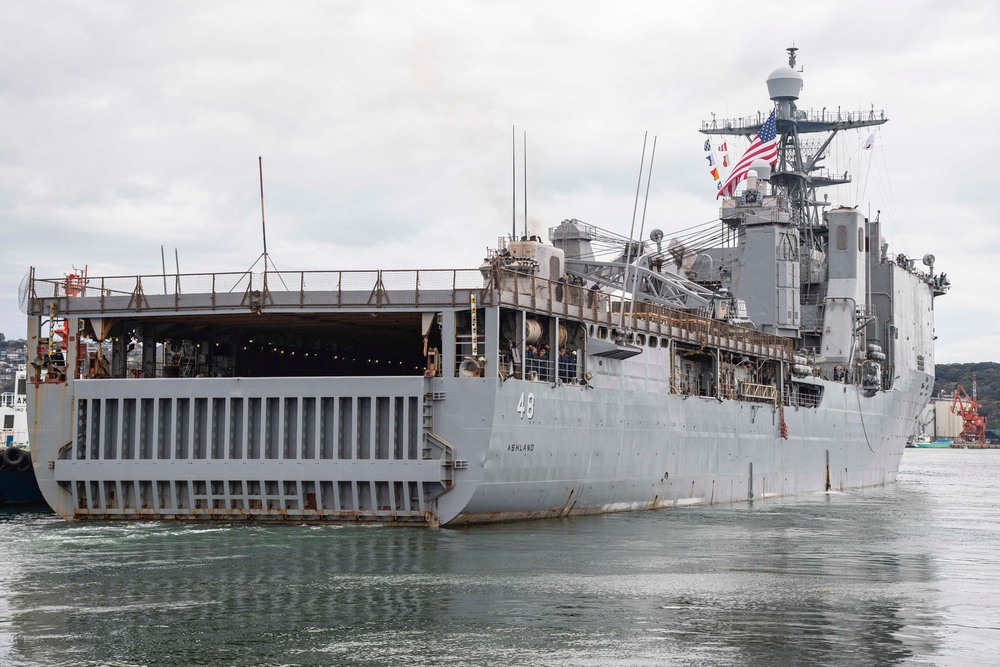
(708, 144)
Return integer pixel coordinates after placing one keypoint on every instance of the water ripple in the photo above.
(896, 575)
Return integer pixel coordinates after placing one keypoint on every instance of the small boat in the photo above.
(17, 476)
(940, 443)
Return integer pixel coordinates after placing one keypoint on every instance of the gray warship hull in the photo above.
(778, 350)
(583, 451)
(465, 448)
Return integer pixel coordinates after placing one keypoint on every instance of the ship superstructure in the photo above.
(791, 357)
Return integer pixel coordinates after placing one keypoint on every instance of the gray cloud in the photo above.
(385, 128)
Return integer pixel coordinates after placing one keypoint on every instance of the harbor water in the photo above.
(908, 574)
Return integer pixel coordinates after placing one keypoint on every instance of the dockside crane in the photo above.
(973, 424)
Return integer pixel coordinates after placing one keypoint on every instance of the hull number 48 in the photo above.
(526, 407)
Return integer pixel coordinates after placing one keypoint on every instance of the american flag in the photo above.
(763, 147)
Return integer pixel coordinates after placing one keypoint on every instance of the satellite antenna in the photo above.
(656, 236)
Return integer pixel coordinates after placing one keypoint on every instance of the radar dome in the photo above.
(762, 169)
(784, 83)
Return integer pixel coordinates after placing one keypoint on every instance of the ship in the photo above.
(782, 350)
(17, 477)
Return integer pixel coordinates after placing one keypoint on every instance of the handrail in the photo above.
(392, 289)
(742, 123)
(523, 291)
(292, 288)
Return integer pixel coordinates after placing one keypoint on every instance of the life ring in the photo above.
(15, 457)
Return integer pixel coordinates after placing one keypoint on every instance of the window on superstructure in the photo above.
(842, 237)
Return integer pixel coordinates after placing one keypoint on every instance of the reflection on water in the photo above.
(898, 575)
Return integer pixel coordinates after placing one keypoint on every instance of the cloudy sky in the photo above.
(385, 129)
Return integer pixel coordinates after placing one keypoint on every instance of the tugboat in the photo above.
(18, 485)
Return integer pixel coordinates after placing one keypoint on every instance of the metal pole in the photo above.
(513, 183)
(524, 151)
(263, 227)
(642, 227)
(631, 231)
(163, 263)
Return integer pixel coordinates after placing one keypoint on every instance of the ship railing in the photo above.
(805, 400)
(538, 368)
(464, 354)
(761, 393)
(509, 367)
(753, 122)
(208, 291)
(597, 307)
(825, 173)
(385, 289)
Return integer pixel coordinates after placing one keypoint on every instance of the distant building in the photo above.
(946, 423)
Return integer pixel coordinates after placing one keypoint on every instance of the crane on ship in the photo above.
(967, 407)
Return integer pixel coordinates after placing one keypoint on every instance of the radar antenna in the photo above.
(798, 173)
(791, 55)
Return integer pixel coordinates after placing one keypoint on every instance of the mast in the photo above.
(798, 172)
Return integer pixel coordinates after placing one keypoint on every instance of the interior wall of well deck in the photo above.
(315, 345)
